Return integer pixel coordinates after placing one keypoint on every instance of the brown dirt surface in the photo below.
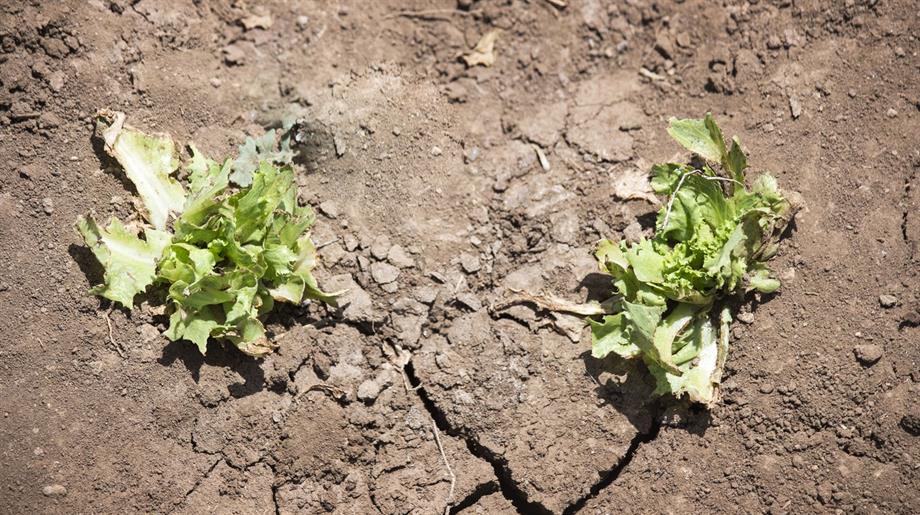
(426, 392)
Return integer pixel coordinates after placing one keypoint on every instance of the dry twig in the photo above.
(450, 471)
(108, 321)
(430, 14)
(337, 394)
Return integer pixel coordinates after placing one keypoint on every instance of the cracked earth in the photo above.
(442, 191)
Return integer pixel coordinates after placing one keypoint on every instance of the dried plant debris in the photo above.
(484, 52)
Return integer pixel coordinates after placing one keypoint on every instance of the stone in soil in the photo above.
(380, 246)
(745, 317)
(54, 490)
(397, 256)
(470, 263)
(887, 301)
(384, 273)
(330, 208)
(868, 354)
(234, 55)
(368, 390)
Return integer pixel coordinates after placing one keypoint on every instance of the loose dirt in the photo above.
(425, 392)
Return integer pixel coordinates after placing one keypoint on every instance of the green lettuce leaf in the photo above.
(702, 137)
(129, 262)
(612, 335)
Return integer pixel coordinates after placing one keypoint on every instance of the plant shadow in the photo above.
(628, 386)
(110, 165)
(597, 286)
(219, 355)
(87, 262)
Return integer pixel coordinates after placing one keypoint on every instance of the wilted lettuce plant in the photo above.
(712, 239)
(238, 242)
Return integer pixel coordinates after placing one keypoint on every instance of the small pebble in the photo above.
(795, 107)
(436, 151)
(766, 388)
(868, 354)
(891, 112)
(746, 317)
(215, 82)
(48, 205)
(368, 390)
(899, 51)
(339, 143)
(887, 301)
(470, 263)
(54, 490)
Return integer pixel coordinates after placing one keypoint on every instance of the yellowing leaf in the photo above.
(633, 184)
(148, 161)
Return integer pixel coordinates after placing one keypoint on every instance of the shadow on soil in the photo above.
(87, 262)
(249, 369)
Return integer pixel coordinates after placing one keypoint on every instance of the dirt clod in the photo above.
(384, 273)
(470, 263)
(368, 390)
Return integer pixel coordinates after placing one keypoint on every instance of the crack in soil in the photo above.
(198, 483)
(906, 212)
(611, 475)
(506, 484)
(484, 489)
(275, 489)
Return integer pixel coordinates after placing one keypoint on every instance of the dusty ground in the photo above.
(422, 165)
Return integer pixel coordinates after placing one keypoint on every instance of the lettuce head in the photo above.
(225, 247)
(712, 239)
